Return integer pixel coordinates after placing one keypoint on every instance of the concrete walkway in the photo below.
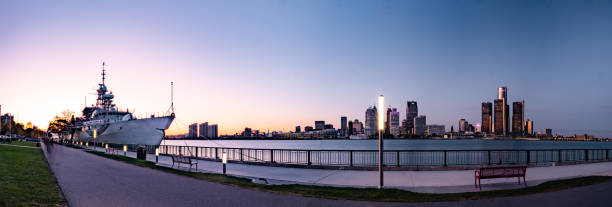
(90, 180)
(416, 181)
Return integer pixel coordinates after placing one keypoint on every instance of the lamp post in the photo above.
(124, 150)
(95, 135)
(381, 105)
(106, 147)
(224, 160)
(156, 154)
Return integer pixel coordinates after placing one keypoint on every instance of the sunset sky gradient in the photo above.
(277, 64)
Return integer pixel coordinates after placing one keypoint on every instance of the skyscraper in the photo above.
(462, 125)
(298, 129)
(487, 114)
(518, 115)
(412, 112)
(394, 123)
(370, 121)
(420, 125)
(498, 124)
(343, 125)
(388, 121)
(203, 130)
(501, 113)
(529, 127)
(213, 131)
(193, 130)
(350, 128)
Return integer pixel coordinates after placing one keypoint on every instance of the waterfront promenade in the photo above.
(91, 180)
(440, 181)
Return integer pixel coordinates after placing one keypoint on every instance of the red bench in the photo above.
(500, 172)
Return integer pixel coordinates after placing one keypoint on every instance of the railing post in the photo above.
(271, 155)
(528, 156)
(607, 153)
(397, 159)
(445, 158)
(241, 155)
(196, 149)
(216, 153)
(586, 155)
(489, 154)
(309, 158)
(559, 159)
(351, 157)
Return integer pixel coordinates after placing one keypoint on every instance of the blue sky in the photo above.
(278, 64)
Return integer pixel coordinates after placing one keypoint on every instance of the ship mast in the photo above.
(103, 72)
(172, 97)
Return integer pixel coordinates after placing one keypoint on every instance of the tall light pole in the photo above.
(381, 123)
(95, 135)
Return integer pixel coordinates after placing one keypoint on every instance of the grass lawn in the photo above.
(29, 144)
(26, 180)
(369, 194)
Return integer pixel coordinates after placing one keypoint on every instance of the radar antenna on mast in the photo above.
(103, 71)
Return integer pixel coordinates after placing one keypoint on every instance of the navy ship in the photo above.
(110, 125)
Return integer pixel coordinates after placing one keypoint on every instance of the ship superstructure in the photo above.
(111, 125)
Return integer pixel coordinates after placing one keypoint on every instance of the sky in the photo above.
(278, 64)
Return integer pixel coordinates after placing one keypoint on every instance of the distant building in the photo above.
(388, 121)
(394, 126)
(308, 129)
(370, 121)
(487, 115)
(193, 130)
(328, 126)
(248, 132)
(549, 132)
(351, 129)
(357, 127)
(203, 130)
(420, 125)
(213, 131)
(412, 111)
(462, 125)
(437, 130)
(529, 127)
(518, 115)
(343, 125)
(319, 125)
(298, 129)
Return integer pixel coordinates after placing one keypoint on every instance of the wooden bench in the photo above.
(500, 172)
(184, 160)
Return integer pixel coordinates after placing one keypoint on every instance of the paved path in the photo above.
(418, 181)
(91, 180)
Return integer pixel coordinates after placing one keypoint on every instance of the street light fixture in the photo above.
(381, 106)
(124, 150)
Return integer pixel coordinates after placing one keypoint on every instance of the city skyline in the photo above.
(288, 71)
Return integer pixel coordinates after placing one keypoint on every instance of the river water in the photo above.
(399, 144)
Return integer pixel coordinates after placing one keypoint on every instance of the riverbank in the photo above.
(25, 178)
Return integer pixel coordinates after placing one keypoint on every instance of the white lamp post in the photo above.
(156, 154)
(95, 135)
(124, 150)
(224, 160)
(106, 147)
(381, 115)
